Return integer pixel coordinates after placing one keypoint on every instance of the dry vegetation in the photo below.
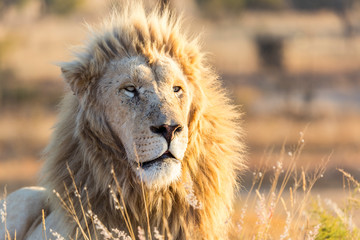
(287, 209)
(315, 49)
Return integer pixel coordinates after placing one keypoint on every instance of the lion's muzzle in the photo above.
(167, 131)
(165, 166)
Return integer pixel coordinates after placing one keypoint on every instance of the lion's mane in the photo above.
(83, 141)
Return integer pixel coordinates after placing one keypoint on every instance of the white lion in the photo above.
(145, 106)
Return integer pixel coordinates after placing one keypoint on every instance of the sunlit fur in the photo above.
(83, 140)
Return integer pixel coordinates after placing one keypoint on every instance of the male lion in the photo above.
(144, 103)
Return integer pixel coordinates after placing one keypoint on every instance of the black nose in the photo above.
(167, 131)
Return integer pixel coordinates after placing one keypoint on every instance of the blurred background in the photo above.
(293, 66)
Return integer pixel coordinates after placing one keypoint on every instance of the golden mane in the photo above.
(83, 140)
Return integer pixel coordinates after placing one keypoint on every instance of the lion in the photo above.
(143, 105)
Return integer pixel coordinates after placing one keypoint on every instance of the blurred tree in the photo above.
(340, 7)
(61, 7)
(266, 4)
(215, 8)
(337, 5)
(5, 4)
(270, 51)
(6, 44)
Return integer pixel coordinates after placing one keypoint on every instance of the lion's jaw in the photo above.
(147, 107)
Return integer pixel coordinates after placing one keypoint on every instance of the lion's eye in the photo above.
(177, 89)
(130, 91)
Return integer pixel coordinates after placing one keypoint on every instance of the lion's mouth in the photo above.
(166, 155)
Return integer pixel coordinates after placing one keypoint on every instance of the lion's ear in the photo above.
(75, 75)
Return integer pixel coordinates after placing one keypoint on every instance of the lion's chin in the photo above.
(159, 173)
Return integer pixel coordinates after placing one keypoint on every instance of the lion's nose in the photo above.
(167, 131)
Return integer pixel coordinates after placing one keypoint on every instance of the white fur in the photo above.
(160, 175)
(149, 147)
(23, 209)
(52, 224)
(154, 103)
(179, 144)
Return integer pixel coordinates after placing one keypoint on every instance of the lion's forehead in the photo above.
(155, 104)
(134, 68)
(164, 71)
(167, 68)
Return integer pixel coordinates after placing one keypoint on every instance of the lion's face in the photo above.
(147, 107)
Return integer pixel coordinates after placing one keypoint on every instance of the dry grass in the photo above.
(287, 209)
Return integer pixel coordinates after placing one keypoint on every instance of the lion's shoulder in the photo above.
(22, 208)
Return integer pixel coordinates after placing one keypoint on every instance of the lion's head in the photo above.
(145, 103)
(147, 108)
(141, 88)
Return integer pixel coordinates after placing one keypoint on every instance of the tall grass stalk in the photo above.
(122, 208)
(3, 214)
(43, 224)
(143, 194)
(78, 196)
(91, 218)
(68, 205)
